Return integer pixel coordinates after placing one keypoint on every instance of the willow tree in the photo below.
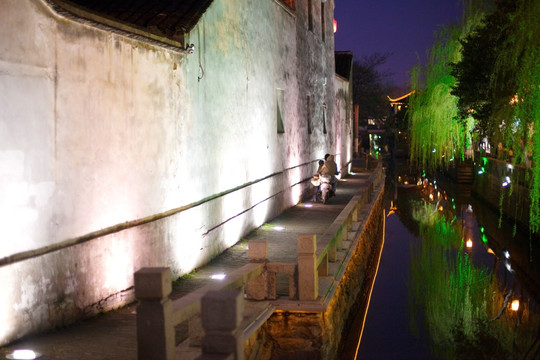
(498, 82)
(520, 58)
(438, 135)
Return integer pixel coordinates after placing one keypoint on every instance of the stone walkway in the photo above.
(113, 335)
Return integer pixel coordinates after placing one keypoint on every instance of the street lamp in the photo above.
(515, 305)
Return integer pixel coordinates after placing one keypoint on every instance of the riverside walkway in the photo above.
(113, 335)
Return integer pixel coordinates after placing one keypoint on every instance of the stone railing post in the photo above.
(221, 313)
(308, 282)
(155, 331)
(263, 286)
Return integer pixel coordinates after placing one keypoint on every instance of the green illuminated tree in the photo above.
(475, 70)
(498, 82)
(436, 134)
(520, 58)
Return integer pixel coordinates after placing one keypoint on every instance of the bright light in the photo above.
(431, 197)
(469, 243)
(279, 228)
(308, 205)
(218, 276)
(510, 166)
(506, 254)
(23, 354)
(335, 25)
(515, 305)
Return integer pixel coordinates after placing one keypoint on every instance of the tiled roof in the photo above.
(169, 18)
(344, 61)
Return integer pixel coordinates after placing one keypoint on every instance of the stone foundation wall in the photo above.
(317, 335)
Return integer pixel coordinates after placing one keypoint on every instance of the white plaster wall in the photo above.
(98, 129)
(343, 121)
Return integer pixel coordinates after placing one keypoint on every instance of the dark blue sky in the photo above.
(402, 27)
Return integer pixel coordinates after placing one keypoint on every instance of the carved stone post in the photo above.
(155, 332)
(221, 313)
(308, 282)
(263, 286)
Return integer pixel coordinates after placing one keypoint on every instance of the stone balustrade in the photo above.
(157, 315)
(221, 306)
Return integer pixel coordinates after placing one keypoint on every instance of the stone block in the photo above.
(155, 331)
(258, 250)
(196, 332)
(223, 343)
(262, 287)
(222, 310)
(322, 270)
(308, 282)
(153, 283)
(307, 244)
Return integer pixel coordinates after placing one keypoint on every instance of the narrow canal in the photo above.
(454, 282)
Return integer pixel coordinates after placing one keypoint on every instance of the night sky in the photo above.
(402, 27)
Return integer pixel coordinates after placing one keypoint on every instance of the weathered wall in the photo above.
(145, 156)
(343, 114)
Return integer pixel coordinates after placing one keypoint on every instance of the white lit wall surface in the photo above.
(100, 131)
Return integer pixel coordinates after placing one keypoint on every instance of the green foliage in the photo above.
(437, 137)
(521, 56)
(474, 71)
(482, 79)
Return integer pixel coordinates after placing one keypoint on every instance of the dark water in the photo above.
(437, 298)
